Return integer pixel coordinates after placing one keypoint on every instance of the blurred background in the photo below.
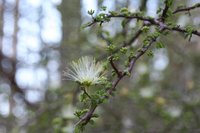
(38, 38)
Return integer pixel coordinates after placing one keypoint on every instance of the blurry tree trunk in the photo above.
(70, 10)
(13, 60)
(1, 34)
(143, 5)
(16, 16)
(1, 25)
(71, 19)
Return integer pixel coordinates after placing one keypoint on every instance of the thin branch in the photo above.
(86, 118)
(187, 9)
(138, 55)
(85, 92)
(153, 21)
(195, 32)
(114, 84)
(135, 36)
(119, 74)
(142, 51)
(165, 10)
(160, 24)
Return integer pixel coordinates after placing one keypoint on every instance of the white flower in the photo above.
(86, 71)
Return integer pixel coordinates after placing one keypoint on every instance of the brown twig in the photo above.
(153, 21)
(115, 67)
(135, 36)
(187, 9)
(165, 10)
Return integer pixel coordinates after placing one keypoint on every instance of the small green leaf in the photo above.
(160, 45)
(189, 32)
(132, 55)
(103, 8)
(169, 2)
(123, 50)
(111, 48)
(159, 10)
(79, 113)
(83, 97)
(127, 72)
(79, 128)
(91, 122)
(91, 12)
(123, 23)
(145, 29)
(124, 10)
(115, 57)
(150, 53)
(95, 115)
(85, 25)
(113, 13)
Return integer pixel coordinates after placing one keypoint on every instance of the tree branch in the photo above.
(128, 43)
(114, 67)
(152, 21)
(164, 13)
(187, 9)
(86, 118)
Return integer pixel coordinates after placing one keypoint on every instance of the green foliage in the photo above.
(99, 97)
(124, 11)
(80, 113)
(150, 53)
(83, 97)
(159, 10)
(124, 22)
(111, 48)
(113, 13)
(101, 17)
(151, 37)
(127, 72)
(124, 50)
(159, 45)
(169, 2)
(91, 12)
(132, 55)
(145, 29)
(197, 5)
(189, 32)
(116, 57)
(79, 128)
(85, 25)
(169, 13)
(103, 8)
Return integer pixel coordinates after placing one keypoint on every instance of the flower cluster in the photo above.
(85, 71)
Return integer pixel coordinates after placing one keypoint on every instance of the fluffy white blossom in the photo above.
(86, 71)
